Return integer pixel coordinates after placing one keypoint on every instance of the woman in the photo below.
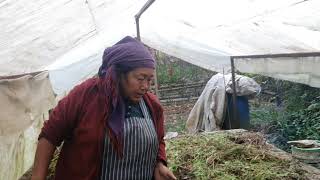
(110, 126)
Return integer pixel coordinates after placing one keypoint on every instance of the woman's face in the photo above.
(136, 83)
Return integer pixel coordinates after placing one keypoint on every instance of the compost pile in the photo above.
(224, 156)
(228, 156)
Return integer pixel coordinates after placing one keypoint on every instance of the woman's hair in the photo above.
(122, 69)
(122, 73)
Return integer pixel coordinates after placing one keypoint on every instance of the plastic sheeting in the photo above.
(34, 33)
(71, 72)
(207, 40)
(25, 102)
(209, 37)
(302, 70)
(39, 35)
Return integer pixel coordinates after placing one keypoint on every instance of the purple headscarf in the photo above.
(126, 55)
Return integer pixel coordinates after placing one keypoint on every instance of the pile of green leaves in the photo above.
(221, 156)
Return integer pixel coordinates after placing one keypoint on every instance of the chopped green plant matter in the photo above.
(225, 156)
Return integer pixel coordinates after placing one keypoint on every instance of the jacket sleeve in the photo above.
(162, 146)
(63, 117)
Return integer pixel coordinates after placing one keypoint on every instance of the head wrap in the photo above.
(126, 55)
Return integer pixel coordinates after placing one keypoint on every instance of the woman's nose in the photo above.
(145, 85)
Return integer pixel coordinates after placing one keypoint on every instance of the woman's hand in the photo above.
(161, 172)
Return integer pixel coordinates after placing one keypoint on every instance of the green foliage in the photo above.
(268, 119)
(264, 115)
(299, 96)
(302, 124)
(174, 70)
(177, 72)
(299, 115)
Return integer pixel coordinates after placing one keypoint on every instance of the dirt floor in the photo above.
(176, 115)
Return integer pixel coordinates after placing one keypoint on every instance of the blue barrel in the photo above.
(243, 120)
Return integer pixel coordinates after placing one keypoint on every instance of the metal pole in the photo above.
(137, 17)
(138, 29)
(234, 95)
(302, 54)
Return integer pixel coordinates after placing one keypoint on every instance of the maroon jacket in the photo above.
(79, 120)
